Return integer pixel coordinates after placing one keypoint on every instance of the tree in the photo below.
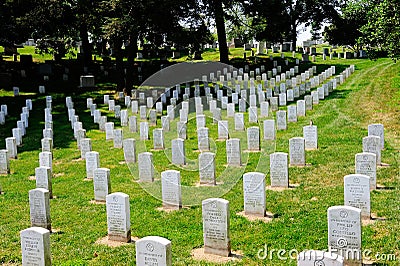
(345, 29)
(51, 22)
(13, 27)
(279, 20)
(88, 18)
(155, 22)
(219, 17)
(270, 21)
(239, 24)
(382, 30)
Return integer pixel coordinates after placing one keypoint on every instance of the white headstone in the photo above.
(46, 159)
(310, 135)
(16, 91)
(153, 117)
(233, 152)
(101, 184)
(269, 129)
(129, 146)
(4, 109)
(357, 193)
(201, 121)
(146, 167)
(377, 130)
(109, 126)
(230, 112)
(297, 154)
(264, 106)
(35, 246)
(216, 235)
(144, 130)
(143, 112)
(216, 115)
(281, 121)
(279, 172)
(344, 232)
(254, 194)
(134, 107)
(132, 124)
(4, 162)
(102, 123)
(153, 250)
(171, 189)
(92, 163)
(111, 105)
(118, 138)
(158, 139)
(181, 128)
(366, 165)
(223, 129)
(253, 139)
(165, 123)
(178, 151)
(85, 146)
(207, 168)
(203, 142)
(20, 125)
(149, 102)
(292, 113)
(44, 179)
(124, 118)
(39, 202)
(106, 99)
(301, 108)
(11, 147)
(2, 118)
(253, 115)
(17, 134)
(239, 122)
(308, 102)
(372, 144)
(118, 217)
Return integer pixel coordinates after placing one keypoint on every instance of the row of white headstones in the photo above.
(11, 150)
(249, 176)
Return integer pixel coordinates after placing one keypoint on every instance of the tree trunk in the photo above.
(294, 36)
(86, 47)
(132, 49)
(119, 64)
(220, 24)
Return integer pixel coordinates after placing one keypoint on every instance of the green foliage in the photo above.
(345, 29)
(14, 28)
(382, 30)
(277, 21)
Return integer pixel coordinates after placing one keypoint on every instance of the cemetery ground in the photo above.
(370, 95)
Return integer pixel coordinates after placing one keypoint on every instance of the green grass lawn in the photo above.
(370, 95)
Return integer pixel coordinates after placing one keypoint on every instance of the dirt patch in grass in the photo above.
(266, 219)
(58, 174)
(198, 254)
(280, 189)
(113, 244)
(97, 202)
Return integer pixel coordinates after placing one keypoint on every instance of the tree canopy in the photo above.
(59, 25)
(382, 29)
